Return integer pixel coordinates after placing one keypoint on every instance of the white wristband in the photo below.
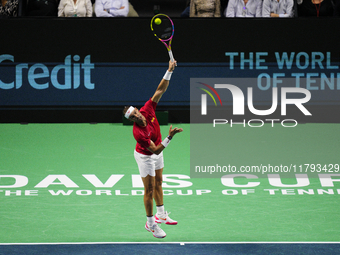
(167, 75)
(165, 142)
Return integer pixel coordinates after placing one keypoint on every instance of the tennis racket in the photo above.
(163, 28)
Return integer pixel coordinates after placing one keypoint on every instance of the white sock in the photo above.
(160, 209)
(150, 220)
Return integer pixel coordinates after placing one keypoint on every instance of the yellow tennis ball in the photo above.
(158, 21)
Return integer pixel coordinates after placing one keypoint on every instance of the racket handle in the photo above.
(171, 56)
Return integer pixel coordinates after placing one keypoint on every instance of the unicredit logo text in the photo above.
(69, 75)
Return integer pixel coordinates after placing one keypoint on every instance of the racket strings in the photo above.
(164, 30)
(165, 36)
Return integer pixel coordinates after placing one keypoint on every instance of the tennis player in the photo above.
(149, 154)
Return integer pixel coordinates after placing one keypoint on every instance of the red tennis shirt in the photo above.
(151, 132)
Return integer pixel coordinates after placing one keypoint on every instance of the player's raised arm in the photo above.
(163, 85)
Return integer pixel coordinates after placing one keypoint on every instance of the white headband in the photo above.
(129, 111)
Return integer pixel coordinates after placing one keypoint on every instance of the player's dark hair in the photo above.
(125, 109)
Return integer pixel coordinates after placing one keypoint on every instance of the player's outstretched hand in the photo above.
(174, 131)
(172, 66)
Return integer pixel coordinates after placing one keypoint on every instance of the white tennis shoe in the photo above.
(155, 230)
(164, 218)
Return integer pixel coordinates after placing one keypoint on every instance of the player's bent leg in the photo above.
(149, 190)
(158, 195)
(149, 187)
(161, 215)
